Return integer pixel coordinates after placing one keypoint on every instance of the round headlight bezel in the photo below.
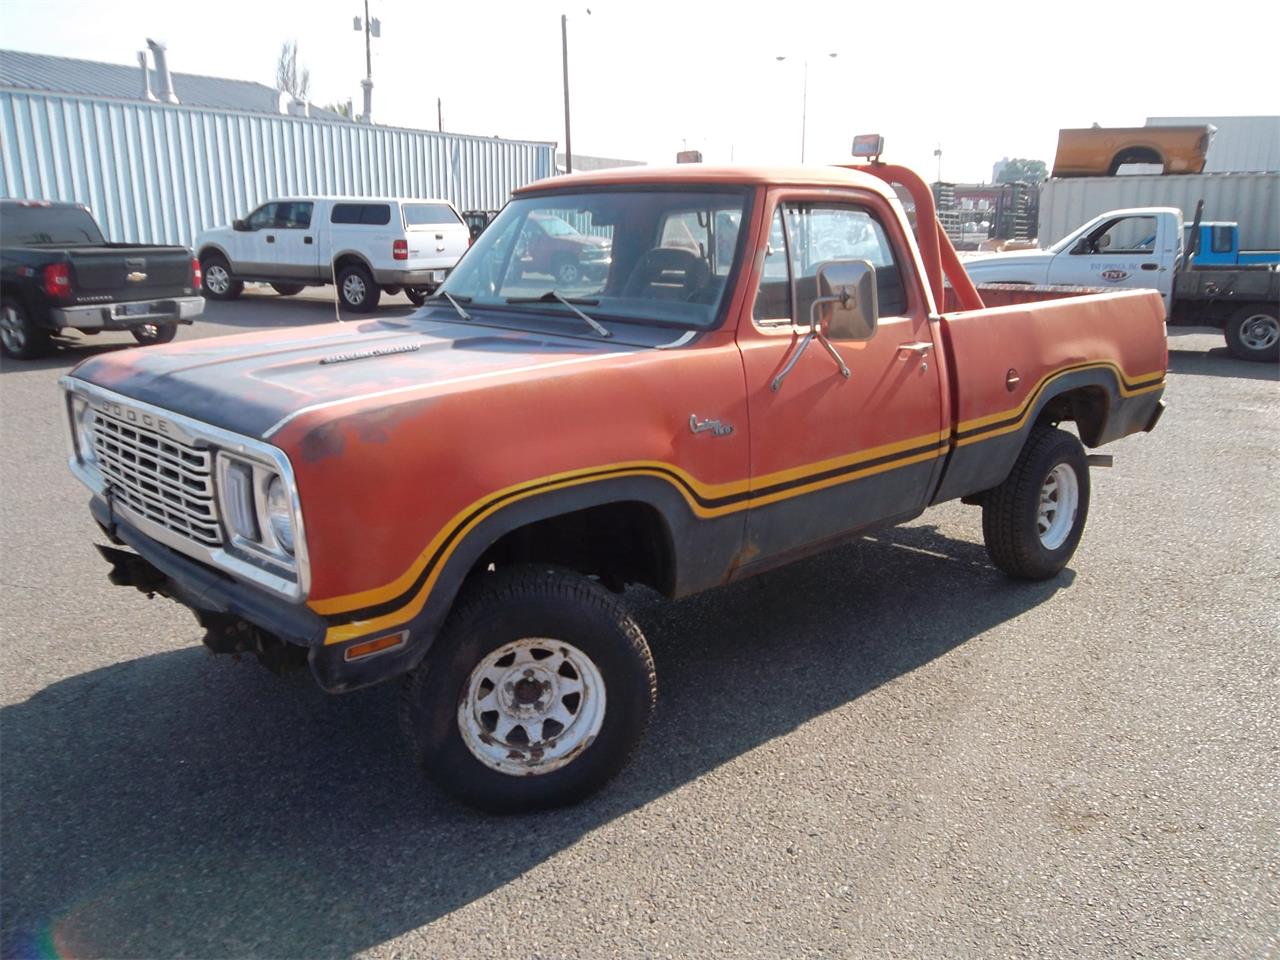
(279, 510)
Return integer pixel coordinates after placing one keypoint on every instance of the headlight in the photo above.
(83, 419)
(280, 514)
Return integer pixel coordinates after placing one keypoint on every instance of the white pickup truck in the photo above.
(364, 245)
(1143, 247)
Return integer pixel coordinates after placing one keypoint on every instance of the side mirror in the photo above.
(239, 225)
(847, 306)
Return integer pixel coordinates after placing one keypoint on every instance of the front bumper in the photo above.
(205, 590)
(118, 316)
(211, 594)
(411, 278)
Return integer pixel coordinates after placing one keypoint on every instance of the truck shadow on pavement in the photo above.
(181, 805)
(1219, 362)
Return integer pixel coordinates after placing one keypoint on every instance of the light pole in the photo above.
(804, 103)
(371, 28)
(564, 54)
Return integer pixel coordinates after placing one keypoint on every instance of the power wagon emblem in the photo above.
(1113, 275)
(713, 427)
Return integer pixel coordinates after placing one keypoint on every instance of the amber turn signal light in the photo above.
(367, 648)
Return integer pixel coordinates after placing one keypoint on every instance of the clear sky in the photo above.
(649, 77)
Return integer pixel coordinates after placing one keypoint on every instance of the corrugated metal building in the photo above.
(1251, 199)
(1241, 145)
(160, 173)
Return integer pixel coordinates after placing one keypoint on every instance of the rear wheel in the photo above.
(535, 695)
(287, 289)
(1032, 523)
(218, 282)
(357, 289)
(152, 333)
(20, 338)
(1253, 332)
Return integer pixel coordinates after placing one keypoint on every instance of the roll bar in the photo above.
(941, 264)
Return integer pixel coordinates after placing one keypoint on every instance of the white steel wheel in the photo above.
(216, 279)
(1059, 500)
(531, 706)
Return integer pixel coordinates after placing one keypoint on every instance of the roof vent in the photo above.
(162, 72)
(146, 76)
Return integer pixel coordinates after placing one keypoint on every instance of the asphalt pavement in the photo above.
(889, 750)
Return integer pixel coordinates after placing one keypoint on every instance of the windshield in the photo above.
(66, 226)
(645, 255)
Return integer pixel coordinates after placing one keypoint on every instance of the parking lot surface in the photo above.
(889, 750)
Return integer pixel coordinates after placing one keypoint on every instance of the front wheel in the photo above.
(1253, 332)
(153, 333)
(535, 695)
(1032, 523)
(218, 281)
(568, 272)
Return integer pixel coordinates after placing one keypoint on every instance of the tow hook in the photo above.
(1100, 460)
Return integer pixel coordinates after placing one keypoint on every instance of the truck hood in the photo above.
(1002, 261)
(248, 383)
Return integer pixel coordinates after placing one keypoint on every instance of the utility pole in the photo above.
(439, 116)
(564, 52)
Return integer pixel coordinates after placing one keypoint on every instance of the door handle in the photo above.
(306, 240)
(270, 239)
(1150, 266)
(923, 348)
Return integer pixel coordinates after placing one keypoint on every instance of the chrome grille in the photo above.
(158, 478)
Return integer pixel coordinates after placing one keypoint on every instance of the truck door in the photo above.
(296, 253)
(1135, 250)
(831, 455)
(254, 254)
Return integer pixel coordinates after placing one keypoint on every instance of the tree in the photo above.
(1026, 171)
(291, 80)
(341, 109)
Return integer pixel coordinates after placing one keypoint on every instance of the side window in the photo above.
(375, 214)
(822, 233)
(773, 298)
(345, 213)
(263, 217)
(1124, 235)
(294, 215)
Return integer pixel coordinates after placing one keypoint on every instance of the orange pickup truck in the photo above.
(459, 497)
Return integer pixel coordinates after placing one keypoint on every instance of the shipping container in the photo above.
(1250, 199)
(157, 173)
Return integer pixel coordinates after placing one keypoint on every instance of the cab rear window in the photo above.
(425, 214)
(367, 214)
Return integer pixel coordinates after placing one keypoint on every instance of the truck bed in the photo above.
(1100, 345)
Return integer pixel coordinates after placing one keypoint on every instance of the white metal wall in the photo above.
(156, 173)
(1251, 199)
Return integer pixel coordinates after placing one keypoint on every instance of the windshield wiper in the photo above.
(551, 297)
(455, 302)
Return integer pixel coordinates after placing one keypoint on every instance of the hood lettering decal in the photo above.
(375, 352)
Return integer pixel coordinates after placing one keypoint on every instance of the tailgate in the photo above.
(117, 273)
(437, 236)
